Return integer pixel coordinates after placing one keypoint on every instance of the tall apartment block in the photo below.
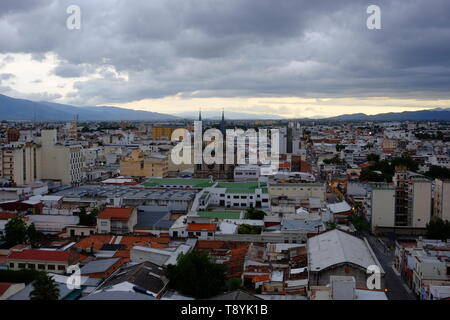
(407, 202)
(413, 199)
(441, 207)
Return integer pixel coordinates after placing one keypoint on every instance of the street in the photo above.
(397, 289)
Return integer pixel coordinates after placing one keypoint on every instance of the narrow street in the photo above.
(397, 289)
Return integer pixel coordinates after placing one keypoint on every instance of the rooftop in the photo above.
(177, 183)
(116, 213)
(127, 192)
(201, 227)
(220, 214)
(243, 187)
(335, 247)
(41, 255)
(98, 266)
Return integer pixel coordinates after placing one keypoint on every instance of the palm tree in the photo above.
(45, 288)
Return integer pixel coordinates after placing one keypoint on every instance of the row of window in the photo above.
(33, 266)
(198, 234)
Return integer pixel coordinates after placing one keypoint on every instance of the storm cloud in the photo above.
(133, 50)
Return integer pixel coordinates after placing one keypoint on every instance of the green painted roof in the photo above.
(243, 187)
(219, 214)
(194, 183)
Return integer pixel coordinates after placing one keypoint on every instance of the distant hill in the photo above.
(230, 115)
(421, 115)
(20, 109)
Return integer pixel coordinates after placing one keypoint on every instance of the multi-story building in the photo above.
(405, 204)
(441, 208)
(162, 132)
(117, 220)
(298, 190)
(138, 165)
(382, 206)
(413, 199)
(21, 163)
(42, 260)
(60, 162)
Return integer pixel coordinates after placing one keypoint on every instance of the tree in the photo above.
(88, 219)
(359, 222)
(234, 284)
(255, 214)
(16, 232)
(437, 172)
(340, 147)
(248, 229)
(44, 288)
(32, 234)
(21, 276)
(438, 229)
(373, 157)
(369, 175)
(197, 276)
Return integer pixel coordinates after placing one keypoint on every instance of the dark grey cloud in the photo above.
(6, 76)
(207, 48)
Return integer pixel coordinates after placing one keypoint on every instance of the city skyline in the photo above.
(296, 59)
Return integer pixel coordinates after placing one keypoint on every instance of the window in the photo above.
(31, 266)
(41, 266)
(22, 265)
(51, 267)
(61, 267)
(190, 234)
(210, 234)
(11, 265)
(198, 234)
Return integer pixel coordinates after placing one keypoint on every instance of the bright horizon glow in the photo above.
(32, 78)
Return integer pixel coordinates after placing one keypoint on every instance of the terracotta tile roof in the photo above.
(264, 277)
(4, 286)
(116, 213)
(158, 245)
(41, 255)
(210, 244)
(7, 215)
(201, 227)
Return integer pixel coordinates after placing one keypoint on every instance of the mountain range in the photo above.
(421, 115)
(20, 109)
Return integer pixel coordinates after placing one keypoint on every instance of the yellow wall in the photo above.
(160, 132)
(138, 166)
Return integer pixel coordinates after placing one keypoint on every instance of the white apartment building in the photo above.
(246, 173)
(21, 163)
(383, 206)
(60, 162)
(298, 191)
(441, 206)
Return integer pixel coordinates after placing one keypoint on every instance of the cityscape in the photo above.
(199, 158)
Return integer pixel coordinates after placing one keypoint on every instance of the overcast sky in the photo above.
(288, 57)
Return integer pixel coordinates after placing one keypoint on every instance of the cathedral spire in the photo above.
(200, 115)
(222, 123)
